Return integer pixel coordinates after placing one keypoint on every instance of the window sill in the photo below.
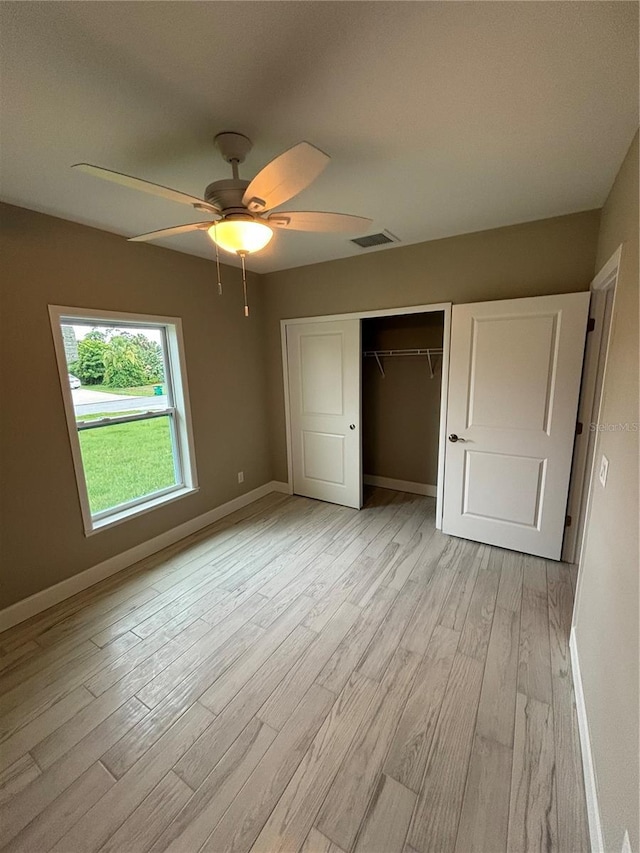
(140, 509)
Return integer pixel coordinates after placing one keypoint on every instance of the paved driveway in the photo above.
(82, 396)
(98, 402)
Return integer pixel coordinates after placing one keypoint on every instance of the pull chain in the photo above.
(217, 262)
(244, 284)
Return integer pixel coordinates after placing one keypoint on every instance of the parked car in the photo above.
(74, 382)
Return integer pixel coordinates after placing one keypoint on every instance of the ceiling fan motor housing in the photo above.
(226, 194)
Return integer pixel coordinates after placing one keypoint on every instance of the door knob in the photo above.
(453, 437)
(352, 426)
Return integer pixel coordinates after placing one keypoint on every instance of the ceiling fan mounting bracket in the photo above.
(234, 147)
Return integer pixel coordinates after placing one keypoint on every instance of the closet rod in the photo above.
(392, 353)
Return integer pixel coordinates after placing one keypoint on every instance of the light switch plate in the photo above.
(604, 470)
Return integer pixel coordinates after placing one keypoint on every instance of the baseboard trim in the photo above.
(588, 769)
(400, 485)
(34, 604)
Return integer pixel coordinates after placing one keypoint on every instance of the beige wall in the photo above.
(607, 609)
(401, 410)
(548, 256)
(47, 260)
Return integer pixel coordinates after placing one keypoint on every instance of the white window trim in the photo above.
(181, 403)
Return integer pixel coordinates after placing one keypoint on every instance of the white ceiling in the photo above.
(441, 118)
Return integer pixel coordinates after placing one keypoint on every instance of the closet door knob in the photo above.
(453, 437)
(352, 426)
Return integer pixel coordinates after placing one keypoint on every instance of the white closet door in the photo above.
(514, 381)
(324, 364)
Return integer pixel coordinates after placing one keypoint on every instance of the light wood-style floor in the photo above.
(299, 677)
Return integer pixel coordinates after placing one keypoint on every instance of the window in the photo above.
(124, 387)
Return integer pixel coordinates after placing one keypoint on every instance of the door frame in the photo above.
(445, 307)
(589, 406)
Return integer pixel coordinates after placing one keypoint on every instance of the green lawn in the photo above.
(135, 391)
(126, 461)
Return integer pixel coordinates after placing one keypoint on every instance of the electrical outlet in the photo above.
(626, 844)
(241, 476)
(604, 470)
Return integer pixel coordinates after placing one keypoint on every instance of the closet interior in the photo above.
(401, 387)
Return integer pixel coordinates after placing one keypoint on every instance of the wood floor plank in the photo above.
(15, 746)
(132, 674)
(346, 804)
(409, 750)
(57, 818)
(213, 642)
(534, 574)
(484, 820)
(155, 812)
(245, 817)
(35, 702)
(474, 639)
(225, 688)
(533, 824)
(316, 842)
(406, 558)
(103, 819)
(388, 636)
(115, 670)
(121, 757)
(198, 762)
(277, 604)
(67, 735)
(499, 686)
(435, 819)
(84, 626)
(343, 661)
(456, 605)
(456, 555)
(163, 610)
(374, 575)
(17, 776)
(35, 797)
(510, 589)
(16, 658)
(28, 681)
(338, 566)
(534, 668)
(191, 827)
(284, 699)
(296, 810)
(385, 827)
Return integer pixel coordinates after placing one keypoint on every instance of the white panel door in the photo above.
(514, 381)
(324, 364)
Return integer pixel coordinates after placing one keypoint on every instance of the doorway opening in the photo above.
(401, 401)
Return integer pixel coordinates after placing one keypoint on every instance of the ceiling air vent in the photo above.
(375, 240)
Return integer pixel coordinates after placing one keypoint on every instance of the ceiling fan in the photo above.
(241, 213)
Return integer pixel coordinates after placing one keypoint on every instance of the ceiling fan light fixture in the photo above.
(240, 236)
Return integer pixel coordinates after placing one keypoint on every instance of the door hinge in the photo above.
(591, 324)
(567, 521)
(579, 428)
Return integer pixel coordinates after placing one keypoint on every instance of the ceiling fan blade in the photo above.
(316, 221)
(170, 232)
(144, 186)
(285, 176)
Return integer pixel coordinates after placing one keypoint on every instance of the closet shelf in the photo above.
(429, 352)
